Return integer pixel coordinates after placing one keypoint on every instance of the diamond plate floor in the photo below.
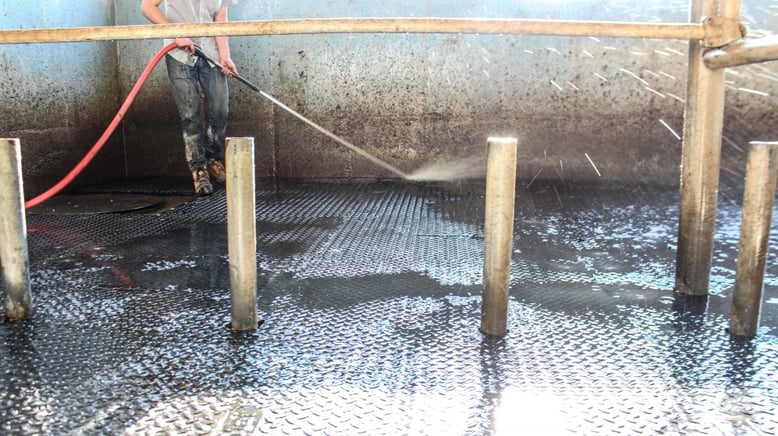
(370, 296)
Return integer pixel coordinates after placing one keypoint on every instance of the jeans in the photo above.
(203, 138)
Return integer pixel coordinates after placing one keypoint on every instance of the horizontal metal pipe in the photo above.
(743, 53)
(682, 31)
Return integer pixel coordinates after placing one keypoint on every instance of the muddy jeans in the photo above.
(201, 141)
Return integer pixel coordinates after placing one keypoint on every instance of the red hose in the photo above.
(54, 190)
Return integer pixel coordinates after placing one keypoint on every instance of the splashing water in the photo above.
(462, 169)
(469, 168)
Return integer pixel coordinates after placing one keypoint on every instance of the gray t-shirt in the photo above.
(194, 11)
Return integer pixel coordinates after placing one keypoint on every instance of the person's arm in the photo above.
(223, 45)
(150, 9)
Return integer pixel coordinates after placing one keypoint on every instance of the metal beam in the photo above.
(680, 31)
(743, 53)
(701, 159)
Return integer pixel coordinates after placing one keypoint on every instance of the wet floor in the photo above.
(370, 299)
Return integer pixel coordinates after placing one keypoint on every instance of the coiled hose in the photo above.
(59, 186)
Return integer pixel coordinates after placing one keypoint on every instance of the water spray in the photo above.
(435, 172)
(321, 129)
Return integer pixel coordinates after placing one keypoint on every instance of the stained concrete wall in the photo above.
(58, 98)
(583, 108)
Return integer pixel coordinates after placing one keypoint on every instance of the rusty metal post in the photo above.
(758, 200)
(242, 230)
(498, 234)
(701, 160)
(14, 257)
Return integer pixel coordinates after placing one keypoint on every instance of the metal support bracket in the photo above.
(720, 31)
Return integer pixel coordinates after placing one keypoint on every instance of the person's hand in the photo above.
(185, 44)
(229, 69)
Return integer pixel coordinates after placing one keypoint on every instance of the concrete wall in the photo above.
(58, 98)
(409, 99)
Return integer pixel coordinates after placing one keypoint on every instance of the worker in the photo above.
(190, 74)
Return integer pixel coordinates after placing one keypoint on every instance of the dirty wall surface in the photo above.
(583, 108)
(58, 98)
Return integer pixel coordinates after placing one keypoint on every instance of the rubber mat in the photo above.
(370, 297)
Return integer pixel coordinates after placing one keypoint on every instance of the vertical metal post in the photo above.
(730, 9)
(701, 159)
(14, 256)
(758, 200)
(498, 234)
(242, 230)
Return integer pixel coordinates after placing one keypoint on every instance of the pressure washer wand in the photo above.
(321, 129)
(200, 53)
